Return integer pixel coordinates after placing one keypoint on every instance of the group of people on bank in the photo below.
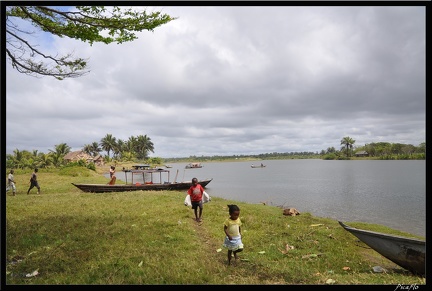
(11, 184)
(232, 225)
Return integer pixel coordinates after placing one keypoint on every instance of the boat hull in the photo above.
(405, 252)
(104, 188)
(193, 166)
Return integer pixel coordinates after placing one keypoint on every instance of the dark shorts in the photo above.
(196, 204)
(34, 184)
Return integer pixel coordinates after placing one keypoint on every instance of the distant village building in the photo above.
(81, 155)
(98, 160)
(362, 154)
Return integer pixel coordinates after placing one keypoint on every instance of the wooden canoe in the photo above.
(102, 188)
(408, 253)
(258, 166)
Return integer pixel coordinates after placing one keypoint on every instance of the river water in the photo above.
(390, 193)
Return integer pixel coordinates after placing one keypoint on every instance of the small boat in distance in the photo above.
(408, 253)
(258, 166)
(137, 167)
(193, 166)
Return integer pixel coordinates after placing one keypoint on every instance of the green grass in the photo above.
(149, 237)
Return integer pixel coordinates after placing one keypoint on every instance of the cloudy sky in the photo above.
(236, 80)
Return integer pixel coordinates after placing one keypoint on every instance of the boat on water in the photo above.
(193, 166)
(149, 179)
(258, 166)
(408, 253)
(137, 167)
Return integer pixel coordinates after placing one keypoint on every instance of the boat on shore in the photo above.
(408, 253)
(149, 179)
(258, 166)
(193, 166)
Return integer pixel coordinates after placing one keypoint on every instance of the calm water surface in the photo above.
(391, 193)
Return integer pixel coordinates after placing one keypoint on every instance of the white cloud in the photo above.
(236, 80)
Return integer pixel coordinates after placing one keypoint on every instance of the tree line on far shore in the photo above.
(136, 149)
(378, 151)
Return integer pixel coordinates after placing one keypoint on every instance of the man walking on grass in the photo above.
(34, 182)
(11, 183)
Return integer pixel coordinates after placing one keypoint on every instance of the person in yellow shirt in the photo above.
(232, 229)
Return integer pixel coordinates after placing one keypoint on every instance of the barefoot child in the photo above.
(232, 229)
(196, 192)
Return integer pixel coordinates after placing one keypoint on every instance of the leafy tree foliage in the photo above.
(347, 143)
(108, 143)
(57, 155)
(92, 149)
(141, 145)
(85, 23)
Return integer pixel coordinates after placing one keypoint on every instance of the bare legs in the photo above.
(31, 187)
(230, 254)
(198, 218)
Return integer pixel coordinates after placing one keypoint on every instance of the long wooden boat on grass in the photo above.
(149, 179)
(408, 253)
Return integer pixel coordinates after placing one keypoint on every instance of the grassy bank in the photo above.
(70, 237)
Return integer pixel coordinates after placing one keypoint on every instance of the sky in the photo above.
(237, 80)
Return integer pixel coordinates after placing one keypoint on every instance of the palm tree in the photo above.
(62, 149)
(58, 153)
(44, 160)
(348, 143)
(87, 149)
(143, 146)
(15, 160)
(130, 144)
(95, 149)
(118, 148)
(127, 156)
(108, 143)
